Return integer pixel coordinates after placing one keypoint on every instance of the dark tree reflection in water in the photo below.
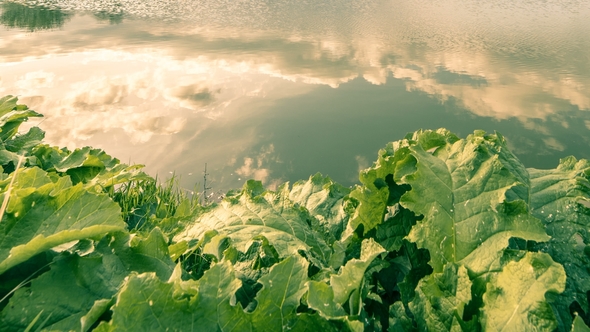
(19, 16)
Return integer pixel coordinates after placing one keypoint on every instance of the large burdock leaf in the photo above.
(44, 212)
(473, 194)
(515, 299)
(441, 298)
(12, 115)
(560, 198)
(20, 145)
(280, 296)
(86, 165)
(375, 195)
(147, 304)
(249, 214)
(351, 274)
(321, 298)
(7, 104)
(75, 284)
(324, 199)
(329, 300)
(314, 323)
(25, 142)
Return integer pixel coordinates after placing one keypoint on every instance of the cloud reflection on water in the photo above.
(149, 79)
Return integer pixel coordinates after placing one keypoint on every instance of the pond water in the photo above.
(279, 90)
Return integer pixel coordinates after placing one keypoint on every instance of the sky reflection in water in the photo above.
(280, 91)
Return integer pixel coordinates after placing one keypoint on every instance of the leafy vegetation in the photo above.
(442, 234)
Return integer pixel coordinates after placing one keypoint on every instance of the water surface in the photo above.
(280, 90)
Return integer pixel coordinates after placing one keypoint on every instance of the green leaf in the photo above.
(177, 249)
(47, 156)
(64, 294)
(19, 276)
(321, 298)
(314, 323)
(119, 174)
(473, 194)
(93, 315)
(87, 165)
(21, 145)
(415, 267)
(248, 214)
(215, 246)
(579, 325)
(79, 288)
(146, 303)
(279, 298)
(352, 273)
(397, 225)
(25, 142)
(324, 199)
(7, 157)
(515, 299)
(399, 320)
(85, 157)
(7, 104)
(441, 298)
(42, 214)
(374, 196)
(212, 307)
(329, 300)
(12, 116)
(139, 254)
(557, 197)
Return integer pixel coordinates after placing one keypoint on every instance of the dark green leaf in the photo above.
(76, 285)
(324, 199)
(25, 142)
(441, 298)
(557, 197)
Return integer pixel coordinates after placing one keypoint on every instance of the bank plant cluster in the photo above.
(442, 234)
